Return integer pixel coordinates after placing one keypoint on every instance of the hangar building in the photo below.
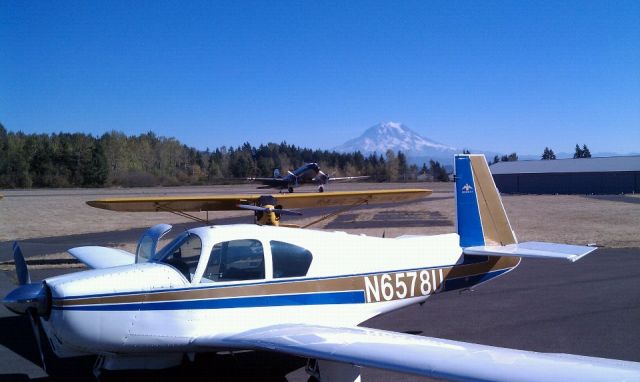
(610, 175)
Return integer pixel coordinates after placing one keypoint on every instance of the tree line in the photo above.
(116, 159)
(580, 152)
(547, 154)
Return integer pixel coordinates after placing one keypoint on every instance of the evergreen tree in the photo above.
(579, 153)
(392, 166)
(95, 170)
(582, 152)
(438, 171)
(509, 158)
(403, 167)
(548, 154)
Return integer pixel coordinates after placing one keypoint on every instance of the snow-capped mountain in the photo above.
(397, 137)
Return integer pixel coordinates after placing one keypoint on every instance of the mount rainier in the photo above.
(398, 137)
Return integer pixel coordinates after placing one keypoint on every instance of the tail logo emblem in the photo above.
(467, 188)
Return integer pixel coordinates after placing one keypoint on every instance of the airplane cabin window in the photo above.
(289, 260)
(235, 260)
(185, 256)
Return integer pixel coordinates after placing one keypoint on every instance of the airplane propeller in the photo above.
(322, 177)
(277, 211)
(295, 183)
(33, 319)
(323, 180)
(30, 299)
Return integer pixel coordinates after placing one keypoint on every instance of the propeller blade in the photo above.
(21, 265)
(277, 211)
(322, 178)
(252, 207)
(36, 333)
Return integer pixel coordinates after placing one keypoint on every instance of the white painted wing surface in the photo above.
(425, 356)
(102, 257)
(533, 249)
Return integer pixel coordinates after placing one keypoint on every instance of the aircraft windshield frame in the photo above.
(169, 248)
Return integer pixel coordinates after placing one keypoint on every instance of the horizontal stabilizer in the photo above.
(533, 249)
(102, 257)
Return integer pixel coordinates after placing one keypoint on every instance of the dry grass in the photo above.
(31, 214)
(574, 219)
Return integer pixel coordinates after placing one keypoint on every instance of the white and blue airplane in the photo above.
(300, 292)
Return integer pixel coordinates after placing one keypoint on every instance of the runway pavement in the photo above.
(591, 307)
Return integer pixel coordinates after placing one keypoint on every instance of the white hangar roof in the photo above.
(608, 164)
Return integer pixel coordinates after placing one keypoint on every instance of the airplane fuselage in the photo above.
(307, 174)
(350, 279)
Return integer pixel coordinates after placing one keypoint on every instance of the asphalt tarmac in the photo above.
(591, 307)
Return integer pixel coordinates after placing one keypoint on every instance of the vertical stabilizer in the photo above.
(481, 218)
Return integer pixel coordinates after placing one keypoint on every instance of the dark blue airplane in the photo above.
(310, 173)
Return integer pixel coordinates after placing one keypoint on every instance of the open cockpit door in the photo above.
(149, 241)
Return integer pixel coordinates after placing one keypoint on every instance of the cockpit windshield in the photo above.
(183, 253)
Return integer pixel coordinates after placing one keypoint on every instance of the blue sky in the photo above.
(500, 76)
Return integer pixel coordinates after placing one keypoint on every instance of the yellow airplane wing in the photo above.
(344, 198)
(230, 202)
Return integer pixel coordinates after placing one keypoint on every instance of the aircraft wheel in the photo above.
(321, 189)
(290, 189)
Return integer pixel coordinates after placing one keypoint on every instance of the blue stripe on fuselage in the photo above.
(328, 298)
(324, 298)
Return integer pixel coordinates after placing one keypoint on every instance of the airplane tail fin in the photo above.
(481, 218)
(483, 226)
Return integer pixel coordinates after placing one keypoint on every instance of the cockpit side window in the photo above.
(235, 260)
(185, 256)
(289, 260)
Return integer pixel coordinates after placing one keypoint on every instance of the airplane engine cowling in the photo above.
(92, 312)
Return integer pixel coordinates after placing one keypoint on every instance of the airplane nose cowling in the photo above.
(34, 296)
(96, 310)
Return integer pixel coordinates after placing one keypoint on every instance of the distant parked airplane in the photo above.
(309, 173)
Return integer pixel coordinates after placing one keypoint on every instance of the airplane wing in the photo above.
(424, 356)
(348, 178)
(102, 257)
(230, 202)
(270, 182)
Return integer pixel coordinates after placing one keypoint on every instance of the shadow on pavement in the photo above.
(392, 219)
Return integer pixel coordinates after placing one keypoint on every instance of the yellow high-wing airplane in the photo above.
(267, 208)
